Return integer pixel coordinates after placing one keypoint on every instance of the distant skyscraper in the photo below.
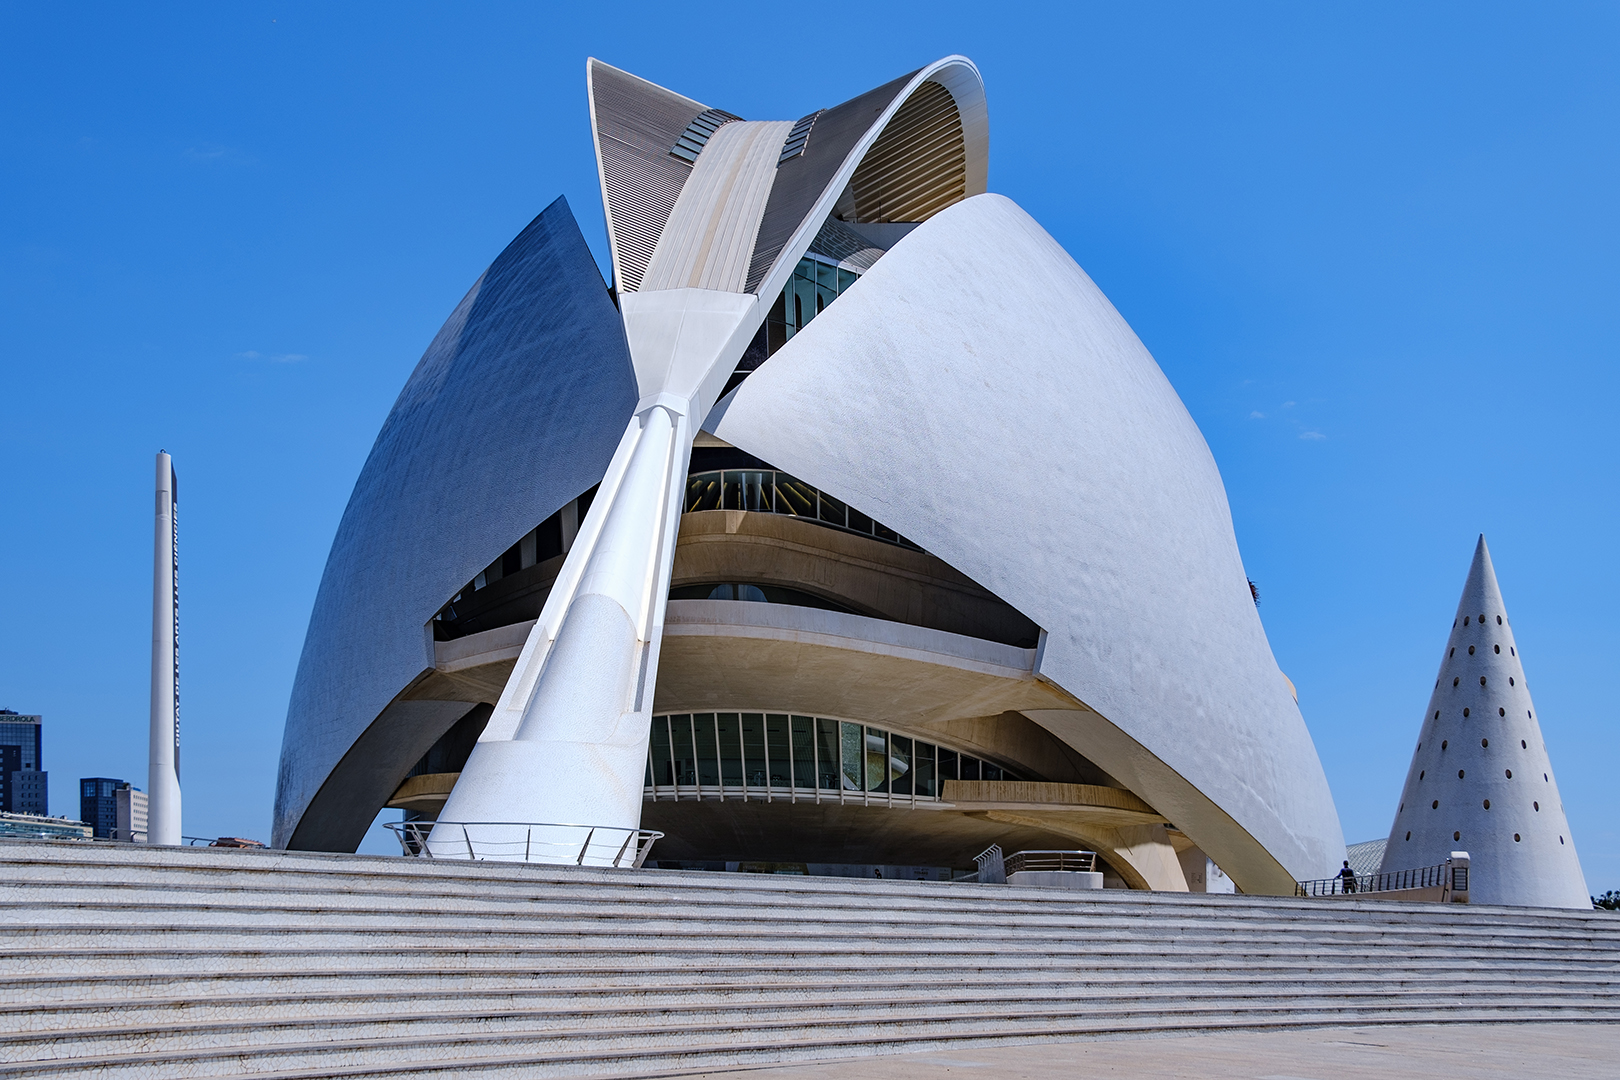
(131, 810)
(115, 809)
(23, 787)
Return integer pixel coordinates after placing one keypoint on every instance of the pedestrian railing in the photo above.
(524, 841)
(994, 866)
(1450, 878)
(1020, 861)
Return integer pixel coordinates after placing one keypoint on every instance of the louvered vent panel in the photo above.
(802, 180)
(799, 137)
(636, 124)
(697, 133)
(917, 167)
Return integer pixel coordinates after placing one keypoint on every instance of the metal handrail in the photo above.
(497, 840)
(1422, 877)
(1051, 860)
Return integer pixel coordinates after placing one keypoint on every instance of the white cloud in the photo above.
(1257, 416)
(1312, 435)
(1288, 404)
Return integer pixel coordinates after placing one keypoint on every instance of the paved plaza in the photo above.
(1455, 1051)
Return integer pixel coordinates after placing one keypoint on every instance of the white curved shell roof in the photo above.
(977, 392)
(973, 390)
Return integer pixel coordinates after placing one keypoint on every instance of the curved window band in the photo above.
(759, 594)
(775, 756)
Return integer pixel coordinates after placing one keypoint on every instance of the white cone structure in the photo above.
(163, 761)
(1481, 780)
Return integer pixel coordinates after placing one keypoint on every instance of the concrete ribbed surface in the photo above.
(130, 962)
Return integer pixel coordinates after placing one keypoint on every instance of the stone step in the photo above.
(735, 891)
(790, 939)
(126, 962)
(179, 1027)
(1189, 961)
(387, 875)
(199, 990)
(181, 909)
(633, 1046)
(604, 962)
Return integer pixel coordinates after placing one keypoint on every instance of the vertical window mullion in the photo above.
(815, 756)
(838, 728)
(697, 776)
(719, 761)
(914, 774)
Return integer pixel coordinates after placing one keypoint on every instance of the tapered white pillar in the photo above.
(163, 762)
(567, 743)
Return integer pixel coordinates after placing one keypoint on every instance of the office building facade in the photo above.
(24, 787)
(114, 809)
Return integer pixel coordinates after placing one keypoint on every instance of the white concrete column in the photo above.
(163, 761)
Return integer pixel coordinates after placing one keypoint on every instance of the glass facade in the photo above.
(814, 284)
(98, 804)
(781, 755)
(812, 287)
(22, 779)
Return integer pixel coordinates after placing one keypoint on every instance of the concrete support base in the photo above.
(1077, 880)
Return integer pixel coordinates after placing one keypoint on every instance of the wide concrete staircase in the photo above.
(126, 962)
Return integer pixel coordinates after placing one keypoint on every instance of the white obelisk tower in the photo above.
(1480, 780)
(163, 769)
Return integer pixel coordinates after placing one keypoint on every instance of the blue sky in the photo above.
(1373, 247)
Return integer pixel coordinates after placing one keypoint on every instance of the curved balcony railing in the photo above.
(767, 491)
(526, 841)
